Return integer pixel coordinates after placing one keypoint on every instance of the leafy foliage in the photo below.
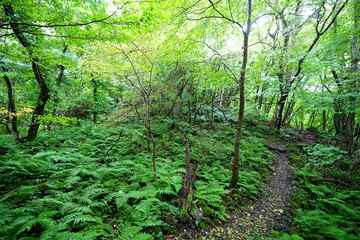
(324, 210)
(75, 180)
(140, 77)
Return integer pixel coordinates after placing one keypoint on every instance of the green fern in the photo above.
(338, 206)
(320, 225)
(86, 218)
(133, 232)
(210, 192)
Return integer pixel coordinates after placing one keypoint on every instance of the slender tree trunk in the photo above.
(269, 105)
(324, 120)
(235, 165)
(349, 137)
(221, 97)
(339, 117)
(11, 107)
(257, 90)
(95, 99)
(186, 192)
(312, 119)
(41, 102)
(261, 97)
(288, 112)
(279, 109)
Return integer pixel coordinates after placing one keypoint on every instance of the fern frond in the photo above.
(98, 204)
(151, 223)
(339, 206)
(146, 205)
(143, 236)
(86, 218)
(26, 226)
(120, 200)
(132, 233)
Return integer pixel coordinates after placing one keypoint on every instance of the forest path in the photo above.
(271, 211)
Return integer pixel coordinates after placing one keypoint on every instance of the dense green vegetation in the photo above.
(326, 207)
(96, 181)
(132, 119)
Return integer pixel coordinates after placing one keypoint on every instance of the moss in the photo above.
(208, 212)
(210, 222)
(183, 216)
(202, 225)
(295, 155)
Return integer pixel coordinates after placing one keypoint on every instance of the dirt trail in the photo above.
(271, 211)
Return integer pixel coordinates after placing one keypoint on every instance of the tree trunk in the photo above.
(44, 90)
(324, 120)
(269, 105)
(286, 82)
(11, 107)
(41, 101)
(339, 117)
(261, 97)
(288, 111)
(235, 165)
(186, 192)
(279, 109)
(95, 99)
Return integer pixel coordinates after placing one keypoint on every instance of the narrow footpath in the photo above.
(271, 211)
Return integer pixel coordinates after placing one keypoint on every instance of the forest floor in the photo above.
(272, 211)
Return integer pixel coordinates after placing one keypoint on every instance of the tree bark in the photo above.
(44, 90)
(279, 109)
(238, 137)
(286, 82)
(41, 101)
(11, 107)
(288, 112)
(186, 192)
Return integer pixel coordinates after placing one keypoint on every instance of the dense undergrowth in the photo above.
(325, 201)
(97, 182)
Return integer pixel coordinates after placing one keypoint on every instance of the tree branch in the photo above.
(223, 16)
(59, 25)
(316, 39)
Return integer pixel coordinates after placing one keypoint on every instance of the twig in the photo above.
(106, 154)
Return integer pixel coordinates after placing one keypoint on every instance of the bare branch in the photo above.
(60, 25)
(263, 15)
(317, 38)
(60, 36)
(223, 16)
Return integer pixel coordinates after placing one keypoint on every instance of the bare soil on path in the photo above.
(272, 211)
